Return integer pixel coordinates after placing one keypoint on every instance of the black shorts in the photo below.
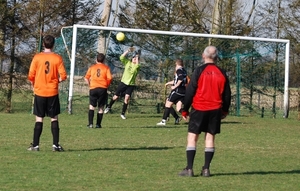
(205, 121)
(123, 89)
(98, 97)
(174, 97)
(46, 106)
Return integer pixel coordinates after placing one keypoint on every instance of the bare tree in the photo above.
(13, 34)
(3, 21)
(215, 23)
(104, 22)
(251, 12)
(20, 34)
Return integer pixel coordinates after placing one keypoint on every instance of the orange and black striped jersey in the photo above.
(45, 71)
(98, 76)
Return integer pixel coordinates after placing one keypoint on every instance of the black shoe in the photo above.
(186, 172)
(177, 120)
(90, 126)
(205, 173)
(57, 148)
(98, 126)
(32, 148)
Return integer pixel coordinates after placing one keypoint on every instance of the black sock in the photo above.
(111, 103)
(91, 116)
(173, 113)
(38, 128)
(166, 113)
(190, 156)
(55, 132)
(99, 118)
(125, 105)
(208, 155)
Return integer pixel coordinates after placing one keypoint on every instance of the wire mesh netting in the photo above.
(255, 68)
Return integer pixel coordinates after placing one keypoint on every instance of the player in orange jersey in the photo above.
(98, 77)
(46, 71)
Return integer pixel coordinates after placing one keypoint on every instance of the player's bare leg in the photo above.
(112, 101)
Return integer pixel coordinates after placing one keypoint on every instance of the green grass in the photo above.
(134, 154)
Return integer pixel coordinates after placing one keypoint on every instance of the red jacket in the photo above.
(208, 89)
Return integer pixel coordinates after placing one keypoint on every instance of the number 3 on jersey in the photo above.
(47, 63)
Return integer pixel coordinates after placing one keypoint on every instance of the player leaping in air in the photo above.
(127, 83)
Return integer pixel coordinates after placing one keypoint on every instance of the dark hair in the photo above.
(134, 54)
(100, 57)
(179, 61)
(48, 41)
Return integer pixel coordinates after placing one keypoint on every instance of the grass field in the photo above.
(134, 154)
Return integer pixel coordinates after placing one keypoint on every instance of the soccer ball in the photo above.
(120, 36)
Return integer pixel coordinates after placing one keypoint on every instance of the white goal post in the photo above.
(285, 41)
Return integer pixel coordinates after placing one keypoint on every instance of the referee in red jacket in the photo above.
(209, 95)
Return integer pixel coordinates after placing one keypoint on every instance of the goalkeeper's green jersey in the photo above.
(130, 72)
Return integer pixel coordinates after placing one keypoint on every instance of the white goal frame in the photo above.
(74, 39)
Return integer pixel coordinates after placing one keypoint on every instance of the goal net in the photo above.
(258, 68)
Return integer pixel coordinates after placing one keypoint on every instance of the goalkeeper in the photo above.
(127, 84)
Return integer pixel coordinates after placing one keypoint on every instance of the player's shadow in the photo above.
(257, 173)
(164, 126)
(232, 122)
(122, 149)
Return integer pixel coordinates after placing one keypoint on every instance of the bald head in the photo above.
(210, 54)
